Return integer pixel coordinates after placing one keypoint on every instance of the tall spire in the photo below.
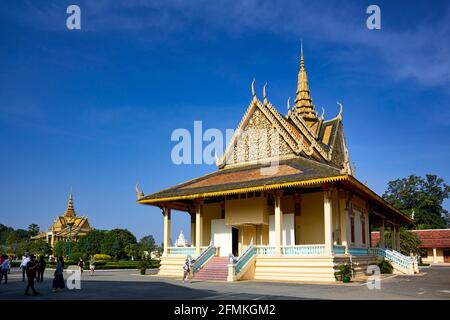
(303, 103)
(70, 211)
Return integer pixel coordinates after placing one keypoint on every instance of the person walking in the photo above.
(23, 265)
(41, 269)
(58, 280)
(5, 266)
(92, 265)
(1, 262)
(186, 269)
(81, 265)
(31, 269)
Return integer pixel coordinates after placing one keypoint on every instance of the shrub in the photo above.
(385, 266)
(344, 271)
(102, 257)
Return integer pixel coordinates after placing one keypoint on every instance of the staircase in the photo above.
(215, 269)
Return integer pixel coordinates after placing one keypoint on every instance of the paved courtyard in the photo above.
(432, 283)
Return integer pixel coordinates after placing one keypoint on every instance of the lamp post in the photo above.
(70, 224)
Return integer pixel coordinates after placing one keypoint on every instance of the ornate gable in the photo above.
(260, 136)
(264, 135)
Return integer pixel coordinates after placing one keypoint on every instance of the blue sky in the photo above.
(94, 109)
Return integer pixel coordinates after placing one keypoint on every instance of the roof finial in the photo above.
(265, 93)
(303, 103)
(301, 53)
(70, 211)
(253, 88)
(340, 110)
(139, 192)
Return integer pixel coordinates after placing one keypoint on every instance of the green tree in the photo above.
(91, 243)
(115, 242)
(132, 250)
(147, 243)
(33, 229)
(409, 242)
(61, 248)
(423, 196)
(39, 247)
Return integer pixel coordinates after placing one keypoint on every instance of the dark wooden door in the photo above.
(235, 241)
(447, 255)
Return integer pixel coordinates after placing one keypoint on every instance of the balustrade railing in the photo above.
(338, 249)
(358, 251)
(303, 250)
(265, 250)
(396, 257)
(245, 258)
(181, 250)
(203, 258)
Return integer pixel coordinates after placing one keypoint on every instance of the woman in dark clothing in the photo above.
(58, 280)
(41, 269)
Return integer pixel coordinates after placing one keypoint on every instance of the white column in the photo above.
(434, 255)
(278, 223)
(166, 231)
(328, 221)
(198, 226)
(382, 233)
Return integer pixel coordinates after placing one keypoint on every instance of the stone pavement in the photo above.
(432, 283)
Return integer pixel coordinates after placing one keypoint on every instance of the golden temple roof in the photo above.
(70, 211)
(303, 106)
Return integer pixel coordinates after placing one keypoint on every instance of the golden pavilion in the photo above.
(67, 227)
(296, 222)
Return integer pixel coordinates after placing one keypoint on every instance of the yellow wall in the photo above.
(439, 256)
(246, 233)
(210, 211)
(309, 226)
(244, 211)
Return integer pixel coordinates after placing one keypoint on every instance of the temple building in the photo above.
(283, 204)
(67, 227)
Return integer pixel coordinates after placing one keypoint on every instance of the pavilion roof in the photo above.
(225, 181)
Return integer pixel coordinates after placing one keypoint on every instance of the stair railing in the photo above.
(238, 266)
(203, 258)
(406, 263)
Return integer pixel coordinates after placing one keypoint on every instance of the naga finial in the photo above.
(289, 104)
(323, 113)
(340, 110)
(265, 93)
(216, 158)
(139, 192)
(253, 88)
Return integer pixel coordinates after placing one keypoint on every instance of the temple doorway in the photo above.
(235, 241)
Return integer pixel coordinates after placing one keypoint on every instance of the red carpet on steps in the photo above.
(215, 269)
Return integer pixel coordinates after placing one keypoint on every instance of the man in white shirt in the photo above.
(23, 265)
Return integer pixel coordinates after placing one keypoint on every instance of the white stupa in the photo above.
(181, 241)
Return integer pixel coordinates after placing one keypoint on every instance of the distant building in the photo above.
(435, 242)
(181, 241)
(66, 227)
